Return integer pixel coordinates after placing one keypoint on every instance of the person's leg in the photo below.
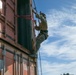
(39, 40)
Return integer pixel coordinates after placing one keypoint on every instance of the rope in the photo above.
(35, 9)
(40, 62)
(34, 5)
(39, 52)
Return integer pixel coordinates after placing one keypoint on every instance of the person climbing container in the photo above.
(43, 28)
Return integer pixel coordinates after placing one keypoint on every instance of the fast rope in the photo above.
(39, 51)
(34, 5)
(35, 9)
(40, 62)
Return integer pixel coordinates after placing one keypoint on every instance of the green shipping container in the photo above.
(24, 25)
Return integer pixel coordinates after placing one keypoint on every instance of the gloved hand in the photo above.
(35, 21)
(34, 11)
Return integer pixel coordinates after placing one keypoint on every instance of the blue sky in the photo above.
(58, 52)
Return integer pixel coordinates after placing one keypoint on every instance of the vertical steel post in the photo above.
(4, 63)
(5, 13)
(28, 66)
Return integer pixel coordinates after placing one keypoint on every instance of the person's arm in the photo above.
(38, 16)
(37, 28)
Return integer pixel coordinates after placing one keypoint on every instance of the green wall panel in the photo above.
(24, 25)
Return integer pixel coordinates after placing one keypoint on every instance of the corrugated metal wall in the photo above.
(15, 62)
(24, 25)
(8, 20)
(14, 58)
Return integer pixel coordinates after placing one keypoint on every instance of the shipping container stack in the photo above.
(17, 38)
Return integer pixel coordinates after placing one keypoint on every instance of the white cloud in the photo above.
(63, 48)
(56, 19)
(57, 68)
(58, 27)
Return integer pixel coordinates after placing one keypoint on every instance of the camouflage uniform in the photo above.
(43, 30)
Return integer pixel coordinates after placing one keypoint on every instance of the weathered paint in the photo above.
(7, 20)
(16, 62)
(17, 29)
(13, 55)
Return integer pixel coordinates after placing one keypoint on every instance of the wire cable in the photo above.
(40, 62)
(35, 9)
(34, 5)
(39, 52)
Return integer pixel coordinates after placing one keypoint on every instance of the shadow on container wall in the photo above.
(24, 25)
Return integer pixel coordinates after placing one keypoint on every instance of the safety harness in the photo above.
(45, 33)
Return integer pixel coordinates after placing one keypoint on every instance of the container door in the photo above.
(25, 67)
(24, 24)
(32, 68)
(9, 64)
(1, 62)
